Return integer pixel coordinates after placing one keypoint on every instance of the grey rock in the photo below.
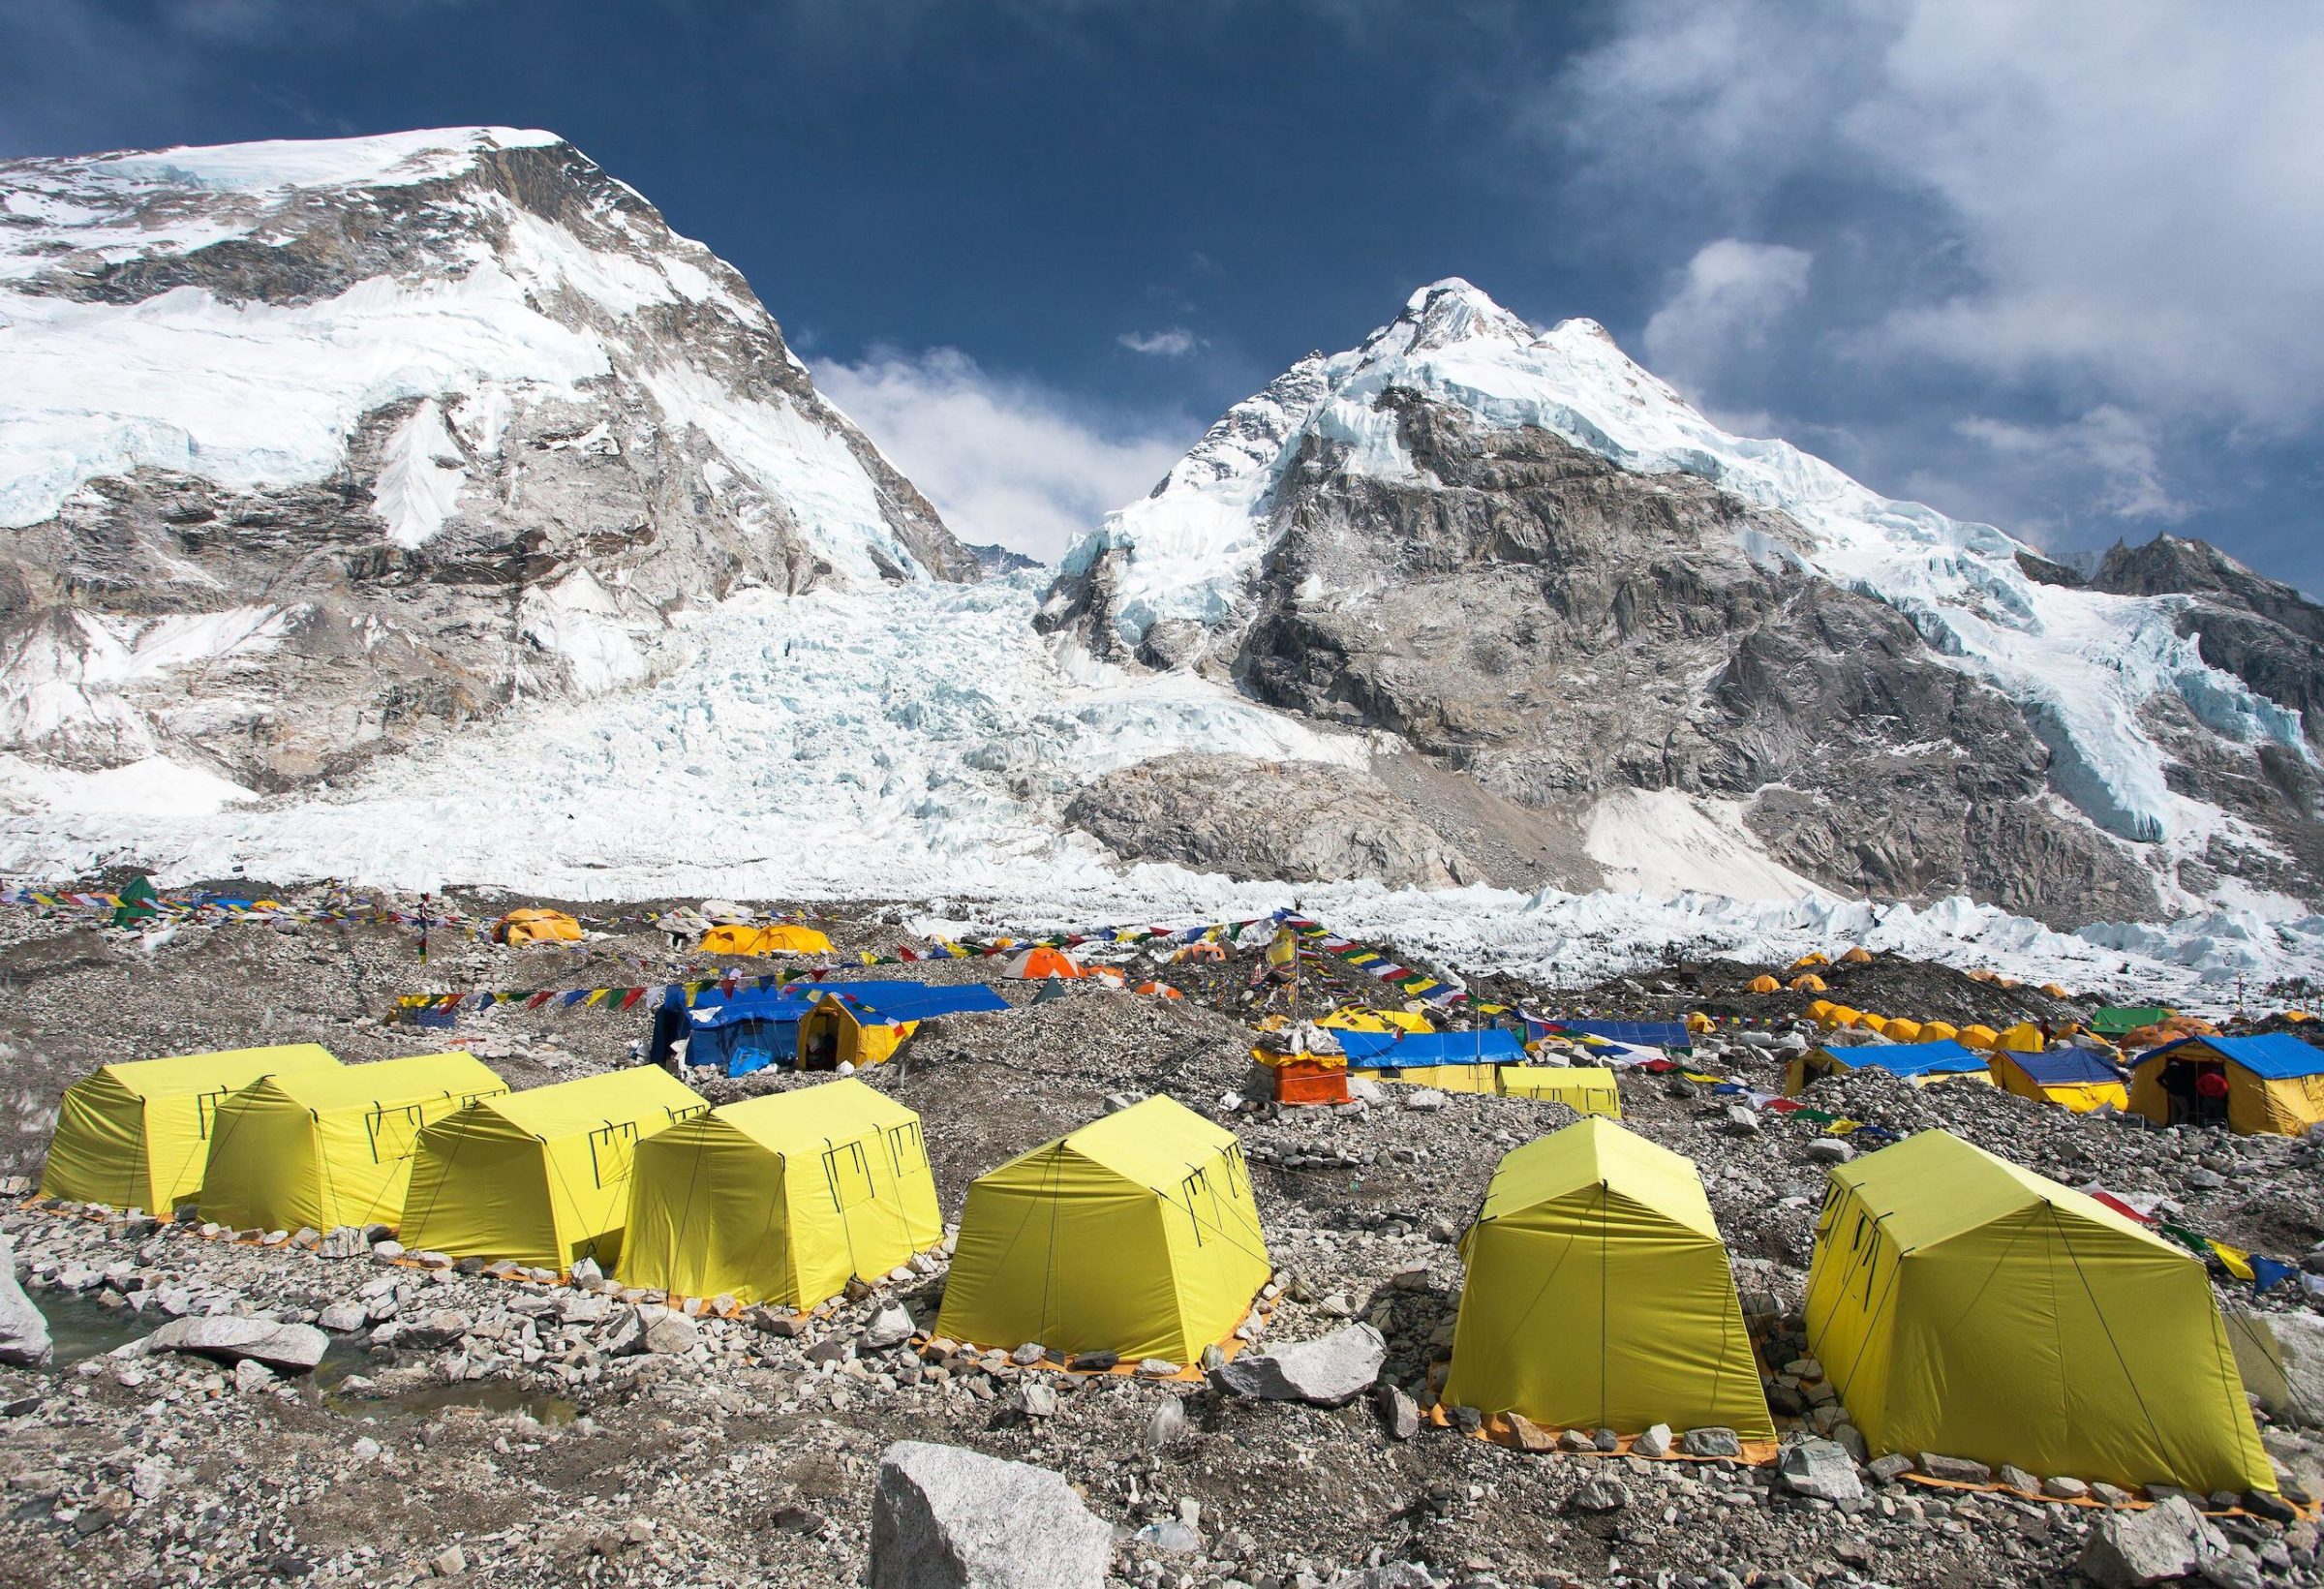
(1399, 1413)
(1711, 1440)
(1959, 1470)
(584, 1273)
(344, 1319)
(342, 1242)
(1168, 1425)
(947, 1519)
(670, 1333)
(1822, 1469)
(251, 1377)
(1600, 1495)
(2062, 1488)
(2018, 1478)
(1035, 1399)
(890, 1327)
(1327, 1372)
(1655, 1442)
(2134, 1550)
(24, 1328)
(1424, 1098)
(297, 1348)
(434, 1329)
(2282, 1358)
(1830, 1151)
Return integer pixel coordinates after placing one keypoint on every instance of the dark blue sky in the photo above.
(2062, 284)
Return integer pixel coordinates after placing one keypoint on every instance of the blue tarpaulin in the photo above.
(2275, 1056)
(1395, 1050)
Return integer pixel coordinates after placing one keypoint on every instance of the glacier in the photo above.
(914, 745)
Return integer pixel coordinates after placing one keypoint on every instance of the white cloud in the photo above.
(1729, 295)
(2123, 205)
(1003, 459)
(1175, 343)
(2114, 446)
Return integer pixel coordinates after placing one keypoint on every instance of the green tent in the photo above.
(2114, 1020)
(137, 904)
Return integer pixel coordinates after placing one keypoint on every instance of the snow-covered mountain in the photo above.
(310, 449)
(1533, 560)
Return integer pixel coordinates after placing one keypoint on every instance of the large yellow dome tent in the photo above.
(1598, 1293)
(773, 938)
(539, 1177)
(334, 1147)
(1136, 1235)
(521, 927)
(1962, 1304)
(136, 1134)
(780, 1199)
(2275, 1084)
(2068, 1077)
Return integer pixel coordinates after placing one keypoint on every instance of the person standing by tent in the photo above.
(2178, 1086)
(2211, 1094)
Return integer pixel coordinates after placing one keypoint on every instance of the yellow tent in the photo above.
(1923, 1064)
(1598, 1293)
(775, 938)
(1962, 1304)
(326, 1147)
(1938, 1031)
(2022, 1038)
(1763, 983)
(1135, 1234)
(833, 1034)
(136, 1135)
(539, 1177)
(1354, 1017)
(2274, 1084)
(780, 1199)
(1587, 1089)
(2068, 1077)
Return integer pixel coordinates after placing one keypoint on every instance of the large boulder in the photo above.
(1328, 1373)
(947, 1519)
(2133, 1549)
(2282, 1358)
(292, 1347)
(1820, 1469)
(23, 1329)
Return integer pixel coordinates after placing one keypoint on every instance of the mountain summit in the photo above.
(309, 448)
(1534, 562)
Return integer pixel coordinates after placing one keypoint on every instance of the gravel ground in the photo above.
(500, 1432)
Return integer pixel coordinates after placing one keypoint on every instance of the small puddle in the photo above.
(499, 1398)
(81, 1327)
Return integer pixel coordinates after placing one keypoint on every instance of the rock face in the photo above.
(947, 1519)
(1533, 563)
(1294, 821)
(309, 448)
(23, 1329)
(2133, 1549)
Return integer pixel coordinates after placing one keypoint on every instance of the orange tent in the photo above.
(1194, 953)
(1765, 985)
(1938, 1031)
(523, 927)
(1159, 990)
(1857, 957)
(1808, 983)
(1808, 961)
(1036, 963)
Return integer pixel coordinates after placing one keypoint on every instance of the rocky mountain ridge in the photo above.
(311, 448)
(1532, 562)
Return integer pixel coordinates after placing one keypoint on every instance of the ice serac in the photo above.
(1534, 561)
(309, 448)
